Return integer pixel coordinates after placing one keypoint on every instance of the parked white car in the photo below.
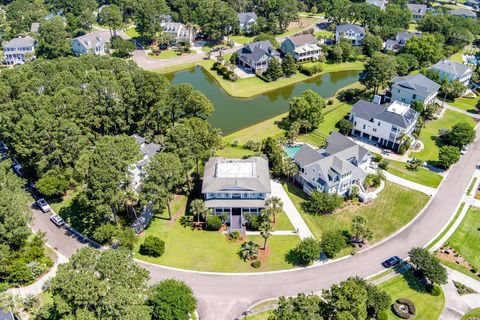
(464, 150)
(43, 205)
(57, 220)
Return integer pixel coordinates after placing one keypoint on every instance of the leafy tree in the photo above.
(123, 48)
(53, 183)
(275, 154)
(344, 126)
(171, 299)
(214, 18)
(372, 44)
(332, 243)
(293, 131)
(460, 135)
(379, 70)
(427, 48)
(164, 174)
(321, 203)
(268, 37)
(78, 13)
(448, 155)
(301, 307)
(428, 265)
(307, 251)
(53, 40)
(306, 110)
(80, 286)
(289, 65)
(275, 16)
(360, 229)
(110, 234)
(148, 16)
(111, 16)
(152, 246)
(265, 232)
(249, 250)
(274, 70)
(347, 300)
(405, 63)
(214, 222)
(418, 106)
(20, 14)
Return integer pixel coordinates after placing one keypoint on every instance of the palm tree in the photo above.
(290, 169)
(265, 231)
(276, 205)
(198, 209)
(249, 250)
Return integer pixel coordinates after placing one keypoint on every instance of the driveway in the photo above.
(226, 296)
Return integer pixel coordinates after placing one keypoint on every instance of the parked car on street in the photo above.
(392, 261)
(57, 220)
(43, 205)
(464, 150)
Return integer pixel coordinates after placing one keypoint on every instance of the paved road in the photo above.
(223, 296)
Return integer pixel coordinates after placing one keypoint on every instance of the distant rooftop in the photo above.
(398, 107)
(233, 168)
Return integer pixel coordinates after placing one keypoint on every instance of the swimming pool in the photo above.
(292, 150)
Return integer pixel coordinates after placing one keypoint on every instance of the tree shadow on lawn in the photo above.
(293, 258)
(413, 282)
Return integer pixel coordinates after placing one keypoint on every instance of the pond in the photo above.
(232, 114)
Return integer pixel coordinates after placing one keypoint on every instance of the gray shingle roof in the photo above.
(244, 17)
(91, 40)
(462, 12)
(451, 67)
(307, 155)
(257, 50)
(418, 9)
(4, 315)
(370, 111)
(302, 39)
(258, 182)
(417, 84)
(26, 41)
(349, 26)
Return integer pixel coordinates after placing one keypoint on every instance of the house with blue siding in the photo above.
(411, 88)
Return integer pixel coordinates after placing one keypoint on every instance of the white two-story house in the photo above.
(352, 32)
(400, 40)
(180, 32)
(19, 50)
(148, 150)
(91, 43)
(256, 56)
(302, 47)
(418, 10)
(335, 168)
(246, 21)
(235, 187)
(453, 70)
(384, 125)
(411, 88)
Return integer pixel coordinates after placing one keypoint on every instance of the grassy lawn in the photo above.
(132, 32)
(260, 316)
(467, 104)
(175, 68)
(242, 39)
(250, 87)
(282, 223)
(421, 175)
(211, 251)
(257, 132)
(412, 27)
(472, 314)
(324, 34)
(234, 152)
(448, 227)
(406, 286)
(429, 134)
(65, 201)
(466, 239)
(164, 54)
(306, 22)
(394, 208)
(457, 57)
(471, 186)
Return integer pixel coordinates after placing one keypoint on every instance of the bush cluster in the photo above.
(311, 70)
(152, 247)
(223, 71)
(396, 307)
(256, 264)
(214, 223)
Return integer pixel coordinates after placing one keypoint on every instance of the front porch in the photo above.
(236, 219)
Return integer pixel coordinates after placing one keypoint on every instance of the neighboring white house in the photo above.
(91, 43)
(378, 3)
(453, 70)
(335, 168)
(418, 10)
(384, 125)
(352, 32)
(302, 47)
(247, 20)
(19, 50)
(180, 32)
(400, 40)
(411, 88)
(148, 150)
(256, 56)
(464, 13)
(236, 187)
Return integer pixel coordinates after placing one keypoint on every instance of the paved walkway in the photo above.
(388, 154)
(410, 184)
(456, 305)
(448, 106)
(291, 211)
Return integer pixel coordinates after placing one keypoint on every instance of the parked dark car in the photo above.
(390, 262)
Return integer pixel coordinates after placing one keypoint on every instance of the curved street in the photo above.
(226, 296)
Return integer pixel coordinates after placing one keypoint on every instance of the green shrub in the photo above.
(214, 222)
(402, 149)
(330, 102)
(311, 70)
(307, 251)
(4, 286)
(256, 264)
(153, 247)
(332, 243)
(382, 315)
(378, 158)
(234, 235)
(383, 164)
(435, 291)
